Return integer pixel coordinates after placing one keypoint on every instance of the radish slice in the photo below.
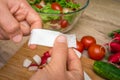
(27, 63)
(37, 59)
(48, 59)
(77, 53)
(33, 68)
(66, 10)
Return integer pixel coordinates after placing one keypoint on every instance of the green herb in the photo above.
(113, 32)
(69, 4)
(48, 9)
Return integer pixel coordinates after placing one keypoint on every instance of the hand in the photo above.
(64, 65)
(17, 18)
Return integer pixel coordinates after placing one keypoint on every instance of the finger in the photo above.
(10, 25)
(74, 63)
(25, 28)
(33, 18)
(59, 53)
(26, 12)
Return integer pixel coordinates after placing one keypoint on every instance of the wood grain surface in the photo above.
(14, 69)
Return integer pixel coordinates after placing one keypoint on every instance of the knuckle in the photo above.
(13, 28)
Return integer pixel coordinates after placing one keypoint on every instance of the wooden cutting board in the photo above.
(14, 70)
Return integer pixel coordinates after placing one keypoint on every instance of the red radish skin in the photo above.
(117, 36)
(114, 47)
(34, 64)
(115, 58)
(44, 60)
(47, 54)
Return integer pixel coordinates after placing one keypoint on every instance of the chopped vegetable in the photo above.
(33, 68)
(46, 54)
(37, 59)
(63, 23)
(44, 60)
(48, 59)
(56, 6)
(27, 63)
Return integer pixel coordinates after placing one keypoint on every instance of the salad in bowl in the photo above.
(59, 15)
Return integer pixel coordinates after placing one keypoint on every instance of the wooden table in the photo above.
(100, 18)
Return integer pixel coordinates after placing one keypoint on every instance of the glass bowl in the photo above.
(63, 22)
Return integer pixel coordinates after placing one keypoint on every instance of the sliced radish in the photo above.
(44, 60)
(66, 10)
(37, 59)
(77, 53)
(33, 68)
(27, 63)
(46, 54)
(33, 64)
(48, 59)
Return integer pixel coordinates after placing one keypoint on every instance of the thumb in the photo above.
(59, 53)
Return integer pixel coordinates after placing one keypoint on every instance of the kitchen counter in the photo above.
(100, 18)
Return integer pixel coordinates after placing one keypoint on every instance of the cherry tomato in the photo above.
(64, 23)
(38, 6)
(96, 52)
(80, 46)
(56, 6)
(87, 41)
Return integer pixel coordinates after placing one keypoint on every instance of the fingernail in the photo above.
(17, 38)
(61, 39)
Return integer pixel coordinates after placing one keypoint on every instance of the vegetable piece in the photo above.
(67, 10)
(44, 60)
(38, 6)
(42, 3)
(46, 54)
(114, 58)
(33, 64)
(96, 52)
(33, 68)
(64, 23)
(80, 46)
(114, 47)
(48, 59)
(56, 6)
(112, 34)
(87, 41)
(37, 59)
(27, 63)
(106, 70)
